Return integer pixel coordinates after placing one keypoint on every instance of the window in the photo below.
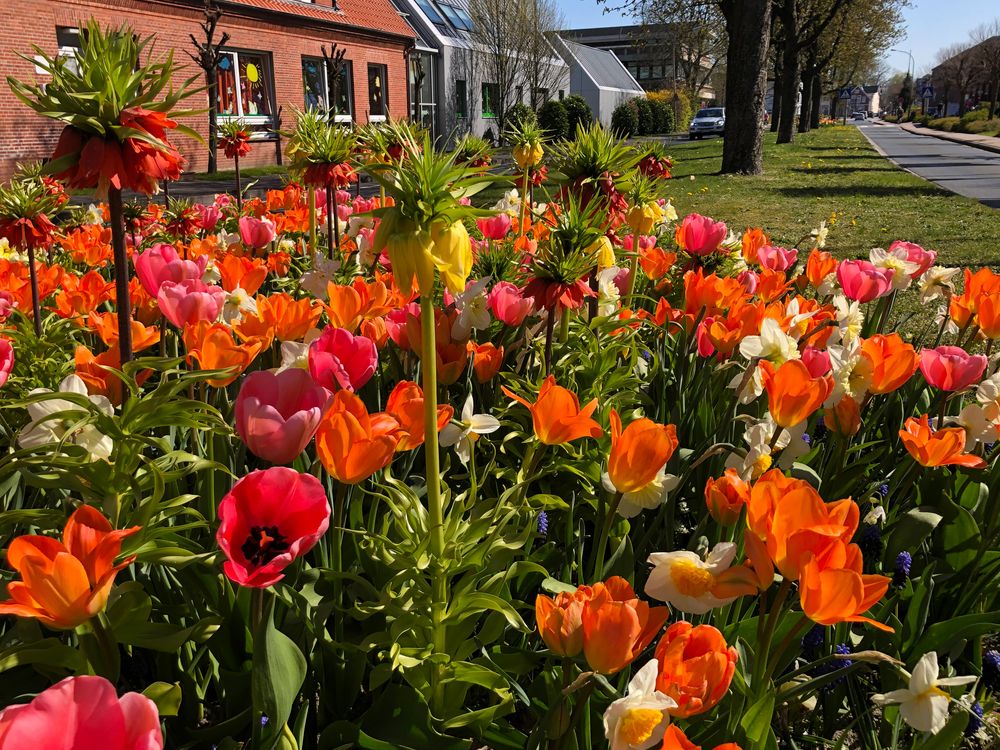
(561, 94)
(657, 71)
(461, 100)
(422, 94)
(245, 86)
(540, 97)
(491, 99)
(458, 17)
(68, 40)
(378, 100)
(319, 88)
(430, 11)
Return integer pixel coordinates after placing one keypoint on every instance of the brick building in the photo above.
(273, 63)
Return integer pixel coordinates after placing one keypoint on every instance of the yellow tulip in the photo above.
(410, 255)
(528, 155)
(452, 252)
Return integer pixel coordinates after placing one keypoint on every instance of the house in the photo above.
(272, 64)
(598, 76)
(650, 53)
(450, 77)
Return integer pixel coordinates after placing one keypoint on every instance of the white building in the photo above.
(598, 76)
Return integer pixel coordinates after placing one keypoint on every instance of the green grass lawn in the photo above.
(834, 174)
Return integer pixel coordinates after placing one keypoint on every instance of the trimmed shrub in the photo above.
(979, 127)
(647, 124)
(625, 119)
(521, 113)
(663, 115)
(578, 111)
(553, 119)
(679, 103)
(944, 123)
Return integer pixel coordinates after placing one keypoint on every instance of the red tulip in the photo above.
(277, 413)
(951, 368)
(494, 227)
(339, 359)
(776, 258)
(82, 712)
(268, 520)
(6, 360)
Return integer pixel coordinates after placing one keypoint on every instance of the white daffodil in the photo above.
(989, 389)
(669, 212)
(898, 261)
(608, 295)
(981, 423)
(936, 283)
(685, 581)
(876, 516)
(653, 495)
(323, 272)
(851, 372)
(924, 705)
(227, 238)
(467, 431)
(473, 310)
(639, 720)
(509, 204)
(43, 428)
(296, 353)
(943, 320)
(356, 223)
(748, 384)
(211, 273)
(850, 319)
(761, 455)
(796, 320)
(238, 303)
(772, 344)
(93, 215)
(819, 234)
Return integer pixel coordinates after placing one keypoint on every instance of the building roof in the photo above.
(603, 67)
(369, 15)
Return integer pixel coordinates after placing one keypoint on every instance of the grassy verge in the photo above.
(230, 174)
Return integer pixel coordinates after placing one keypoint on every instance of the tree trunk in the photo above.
(806, 109)
(817, 99)
(994, 95)
(212, 79)
(961, 102)
(776, 90)
(748, 23)
(789, 74)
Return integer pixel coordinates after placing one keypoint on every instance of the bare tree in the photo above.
(207, 54)
(986, 54)
(957, 69)
(544, 70)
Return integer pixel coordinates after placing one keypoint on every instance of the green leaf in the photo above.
(279, 669)
(950, 736)
(48, 652)
(166, 696)
(756, 722)
(910, 531)
(400, 720)
(946, 633)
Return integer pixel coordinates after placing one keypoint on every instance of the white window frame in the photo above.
(248, 119)
(343, 119)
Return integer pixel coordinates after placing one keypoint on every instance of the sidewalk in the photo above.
(985, 142)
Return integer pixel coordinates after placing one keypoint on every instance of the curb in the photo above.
(945, 136)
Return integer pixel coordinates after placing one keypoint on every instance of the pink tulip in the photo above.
(6, 360)
(256, 233)
(700, 235)
(7, 305)
(621, 281)
(508, 304)
(749, 279)
(338, 359)
(189, 301)
(277, 413)
(494, 227)
(915, 254)
(82, 712)
(224, 200)
(162, 263)
(777, 258)
(817, 361)
(209, 216)
(363, 205)
(862, 281)
(344, 211)
(705, 346)
(395, 324)
(646, 242)
(951, 368)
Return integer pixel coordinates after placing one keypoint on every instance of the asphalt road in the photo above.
(961, 169)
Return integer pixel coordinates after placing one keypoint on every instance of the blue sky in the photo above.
(930, 25)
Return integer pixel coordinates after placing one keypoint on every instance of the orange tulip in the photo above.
(893, 361)
(253, 328)
(617, 626)
(351, 444)
(451, 361)
(829, 595)
(961, 309)
(793, 522)
(771, 285)
(246, 273)
(656, 262)
(89, 245)
(64, 584)
(753, 240)
(91, 370)
(406, 406)
(638, 452)
(793, 394)
(279, 263)
(78, 296)
(291, 318)
(675, 739)
(376, 330)
(844, 418)
(696, 667)
(486, 360)
(345, 308)
(988, 315)
(557, 416)
(726, 496)
(560, 620)
(944, 447)
(711, 292)
(213, 348)
(819, 267)
(106, 326)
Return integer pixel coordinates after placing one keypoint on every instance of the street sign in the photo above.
(927, 92)
(858, 91)
(845, 93)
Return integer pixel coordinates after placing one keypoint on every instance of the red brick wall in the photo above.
(26, 136)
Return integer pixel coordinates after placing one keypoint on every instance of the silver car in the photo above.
(711, 121)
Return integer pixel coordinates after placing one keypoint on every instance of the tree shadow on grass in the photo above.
(842, 170)
(865, 191)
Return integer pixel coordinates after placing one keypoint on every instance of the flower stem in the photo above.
(435, 505)
(633, 270)
(550, 324)
(602, 540)
(564, 326)
(239, 186)
(312, 221)
(36, 304)
(122, 301)
(338, 558)
(329, 221)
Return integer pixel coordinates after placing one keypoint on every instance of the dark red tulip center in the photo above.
(263, 545)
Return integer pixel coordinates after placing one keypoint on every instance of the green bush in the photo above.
(647, 123)
(679, 103)
(944, 123)
(663, 115)
(521, 114)
(988, 127)
(578, 111)
(554, 119)
(625, 119)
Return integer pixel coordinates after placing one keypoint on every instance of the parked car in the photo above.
(711, 121)
(860, 116)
